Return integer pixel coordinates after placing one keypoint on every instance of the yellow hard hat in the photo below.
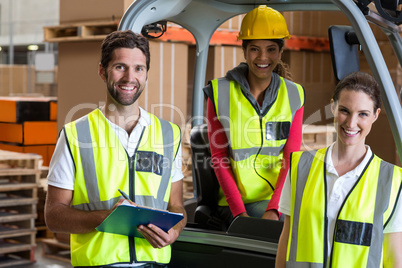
(263, 23)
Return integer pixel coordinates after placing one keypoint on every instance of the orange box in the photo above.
(29, 133)
(21, 109)
(53, 111)
(10, 132)
(10, 147)
(46, 151)
(8, 111)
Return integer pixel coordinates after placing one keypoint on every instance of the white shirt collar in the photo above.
(356, 171)
(143, 121)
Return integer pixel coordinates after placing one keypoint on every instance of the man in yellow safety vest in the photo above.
(116, 146)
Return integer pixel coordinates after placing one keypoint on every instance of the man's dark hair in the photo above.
(123, 39)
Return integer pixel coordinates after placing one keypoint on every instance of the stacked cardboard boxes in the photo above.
(28, 125)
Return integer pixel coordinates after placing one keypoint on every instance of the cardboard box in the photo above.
(20, 109)
(16, 79)
(91, 10)
(381, 139)
(166, 93)
(226, 58)
(78, 62)
(393, 66)
(316, 24)
(389, 55)
(232, 24)
(310, 67)
(29, 133)
(53, 110)
(313, 23)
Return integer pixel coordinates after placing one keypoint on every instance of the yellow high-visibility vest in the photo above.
(358, 233)
(256, 139)
(102, 167)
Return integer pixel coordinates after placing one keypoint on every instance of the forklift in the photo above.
(251, 241)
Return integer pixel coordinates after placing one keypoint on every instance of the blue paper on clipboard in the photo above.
(125, 219)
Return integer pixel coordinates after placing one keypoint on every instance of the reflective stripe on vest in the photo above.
(93, 145)
(256, 140)
(358, 233)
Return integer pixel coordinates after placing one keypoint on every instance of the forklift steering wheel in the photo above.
(397, 19)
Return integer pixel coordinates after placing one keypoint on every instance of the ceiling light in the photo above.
(33, 47)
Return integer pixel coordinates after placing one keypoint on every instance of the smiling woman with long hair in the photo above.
(255, 116)
(342, 203)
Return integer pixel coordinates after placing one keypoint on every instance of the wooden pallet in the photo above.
(51, 248)
(17, 249)
(19, 180)
(19, 175)
(12, 242)
(12, 160)
(85, 31)
(13, 259)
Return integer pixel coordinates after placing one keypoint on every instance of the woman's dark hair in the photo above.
(123, 39)
(360, 81)
(282, 68)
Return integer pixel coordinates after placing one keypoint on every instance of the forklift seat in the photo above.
(205, 181)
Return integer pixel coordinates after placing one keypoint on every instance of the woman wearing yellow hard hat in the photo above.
(255, 118)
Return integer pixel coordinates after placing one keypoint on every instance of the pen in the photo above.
(124, 195)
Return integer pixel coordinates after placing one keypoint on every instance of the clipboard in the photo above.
(125, 219)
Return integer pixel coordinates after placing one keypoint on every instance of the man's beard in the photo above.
(119, 98)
